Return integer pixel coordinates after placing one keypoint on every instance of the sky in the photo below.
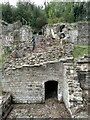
(37, 2)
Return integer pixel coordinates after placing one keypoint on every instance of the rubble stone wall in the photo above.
(83, 71)
(83, 33)
(72, 93)
(25, 33)
(27, 84)
(78, 34)
(12, 33)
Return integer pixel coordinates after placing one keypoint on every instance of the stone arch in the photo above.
(51, 89)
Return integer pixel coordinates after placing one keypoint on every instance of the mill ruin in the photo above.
(34, 75)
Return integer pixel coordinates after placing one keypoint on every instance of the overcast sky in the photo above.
(37, 2)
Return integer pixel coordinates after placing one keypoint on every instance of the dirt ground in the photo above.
(50, 109)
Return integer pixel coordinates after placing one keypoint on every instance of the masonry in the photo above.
(83, 33)
(30, 74)
(27, 84)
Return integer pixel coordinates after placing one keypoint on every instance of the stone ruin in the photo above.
(28, 75)
(83, 33)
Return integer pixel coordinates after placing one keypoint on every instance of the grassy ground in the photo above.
(80, 51)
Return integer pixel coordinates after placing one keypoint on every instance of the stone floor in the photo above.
(50, 109)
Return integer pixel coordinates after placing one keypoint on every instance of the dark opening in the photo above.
(61, 27)
(82, 79)
(51, 89)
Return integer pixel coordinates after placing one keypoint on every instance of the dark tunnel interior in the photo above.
(51, 89)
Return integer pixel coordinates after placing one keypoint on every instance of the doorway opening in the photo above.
(51, 88)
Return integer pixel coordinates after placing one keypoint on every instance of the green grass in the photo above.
(73, 23)
(79, 51)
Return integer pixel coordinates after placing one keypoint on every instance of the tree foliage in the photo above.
(53, 12)
(68, 11)
(26, 12)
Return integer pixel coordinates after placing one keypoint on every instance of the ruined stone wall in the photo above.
(12, 34)
(78, 34)
(76, 86)
(83, 33)
(26, 84)
(59, 30)
(6, 28)
(3, 30)
(72, 93)
(83, 71)
(25, 33)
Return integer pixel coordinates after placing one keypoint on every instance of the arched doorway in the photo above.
(51, 88)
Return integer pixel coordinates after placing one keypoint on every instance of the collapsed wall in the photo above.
(26, 72)
(61, 31)
(79, 33)
(11, 34)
